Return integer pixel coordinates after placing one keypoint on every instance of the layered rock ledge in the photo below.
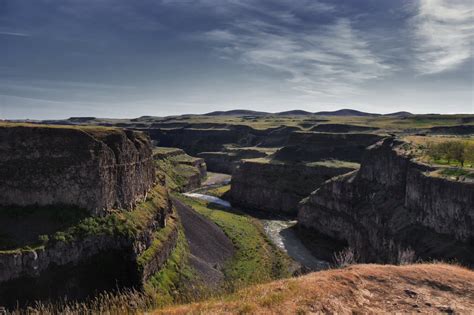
(120, 228)
(392, 204)
(94, 168)
(276, 186)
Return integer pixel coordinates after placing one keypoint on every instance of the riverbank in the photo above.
(280, 230)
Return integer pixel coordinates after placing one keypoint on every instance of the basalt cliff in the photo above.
(391, 204)
(92, 168)
(81, 212)
(279, 182)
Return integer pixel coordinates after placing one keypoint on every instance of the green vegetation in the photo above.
(257, 259)
(456, 172)
(453, 152)
(120, 223)
(17, 222)
(159, 238)
(219, 191)
(177, 175)
(172, 283)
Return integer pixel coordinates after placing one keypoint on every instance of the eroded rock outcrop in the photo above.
(393, 203)
(214, 139)
(182, 171)
(92, 168)
(276, 186)
(315, 146)
(229, 159)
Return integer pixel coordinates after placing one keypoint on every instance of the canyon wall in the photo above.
(194, 139)
(92, 168)
(229, 159)
(182, 171)
(97, 169)
(393, 203)
(120, 251)
(315, 146)
(278, 187)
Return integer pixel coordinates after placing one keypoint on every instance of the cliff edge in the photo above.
(93, 168)
(393, 204)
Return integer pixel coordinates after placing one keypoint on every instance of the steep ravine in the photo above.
(279, 230)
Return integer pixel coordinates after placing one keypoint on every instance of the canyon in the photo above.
(145, 204)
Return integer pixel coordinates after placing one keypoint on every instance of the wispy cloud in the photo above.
(444, 34)
(14, 34)
(331, 58)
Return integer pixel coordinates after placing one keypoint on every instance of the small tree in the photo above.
(433, 151)
(469, 153)
(456, 149)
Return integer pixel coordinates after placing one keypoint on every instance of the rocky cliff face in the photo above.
(92, 168)
(69, 261)
(97, 169)
(228, 160)
(182, 172)
(315, 146)
(278, 187)
(214, 138)
(392, 203)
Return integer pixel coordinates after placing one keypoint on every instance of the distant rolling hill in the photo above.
(399, 114)
(296, 112)
(345, 112)
(237, 112)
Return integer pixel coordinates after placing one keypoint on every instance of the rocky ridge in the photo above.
(392, 204)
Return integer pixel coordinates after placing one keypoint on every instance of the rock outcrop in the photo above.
(341, 128)
(228, 160)
(93, 168)
(97, 169)
(277, 187)
(315, 146)
(182, 171)
(214, 139)
(392, 204)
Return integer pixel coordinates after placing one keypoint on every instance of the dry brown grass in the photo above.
(426, 288)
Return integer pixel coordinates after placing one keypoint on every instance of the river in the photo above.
(280, 231)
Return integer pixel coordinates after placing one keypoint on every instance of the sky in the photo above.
(128, 58)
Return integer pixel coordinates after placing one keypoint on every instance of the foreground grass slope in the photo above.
(426, 288)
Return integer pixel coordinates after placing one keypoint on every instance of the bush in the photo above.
(406, 256)
(345, 258)
(44, 239)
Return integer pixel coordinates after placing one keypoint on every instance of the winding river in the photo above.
(280, 232)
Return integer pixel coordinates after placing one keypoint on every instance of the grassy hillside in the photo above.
(425, 288)
(257, 259)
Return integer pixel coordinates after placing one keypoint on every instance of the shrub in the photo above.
(406, 256)
(345, 258)
(44, 239)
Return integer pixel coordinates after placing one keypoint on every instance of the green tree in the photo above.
(456, 149)
(469, 153)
